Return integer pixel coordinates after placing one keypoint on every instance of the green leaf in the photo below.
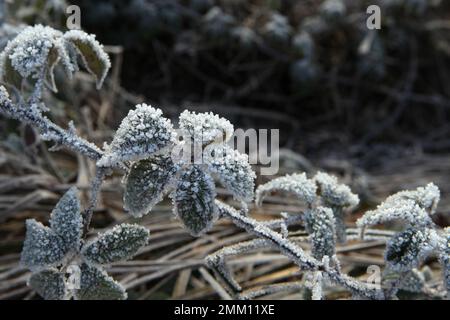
(320, 225)
(49, 284)
(94, 57)
(118, 244)
(95, 284)
(66, 220)
(146, 184)
(42, 247)
(408, 248)
(194, 200)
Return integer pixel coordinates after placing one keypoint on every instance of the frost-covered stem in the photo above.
(33, 116)
(339, 221)
(96, 185)
(299, 257)
(38, 87)
(271, 289)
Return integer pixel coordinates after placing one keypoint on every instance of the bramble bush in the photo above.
(158, 160)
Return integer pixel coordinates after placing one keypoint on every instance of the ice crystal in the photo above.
(412, 207)
(94, 57)
(42, 247)
(205, 128)
(408, 248)
(95, 284)
(143, 132)
(66, 220)
(29, 51)
(118, 244)
(297, 184)
(320, 226)
(194, 200)
(334, 194)
(146, 183)
(49, 284)
(234, 171)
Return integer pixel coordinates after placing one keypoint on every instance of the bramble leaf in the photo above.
(42, 247)
(143, 132)
(146, 183)
(118, 244)
(94, 57)
(334, 194)
(320, 225)
(194, 200)
(66, 220)
(297, 184)
(206, 128)
(95, 284)
(49, 284)
(233, 170)
(408, 248)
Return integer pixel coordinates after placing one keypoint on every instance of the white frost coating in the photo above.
(95, 284)
(120, 243)
(407, 249)
(29, 51)
(79, 37)
(334, 194)
(143, 132)
(296, 183)
(42, 247)
(234, 171)
(320, 226)
(426, 197)
(49, 284)
(405, 210)
(147, 182)
(205, 127)
(193, 200)
(66, 220)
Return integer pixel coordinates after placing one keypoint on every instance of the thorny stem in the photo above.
(299, 257)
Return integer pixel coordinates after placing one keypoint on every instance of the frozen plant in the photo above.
(51, 252)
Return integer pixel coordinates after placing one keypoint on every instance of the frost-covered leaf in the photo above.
(426, 197)
(28, 53)
(94, 57)
(66, 220)
(146, 184)
(118, 244)
(413, 281)
(143, 132)
(42, 247)
(194, 200)
(9, 75)
(402, 210)
(408, 248)
(320, 226)
(49, 284)
(297, 184)
(205, 128)
(233, 170)
(444, 258)
(95, 284)
(334, 194)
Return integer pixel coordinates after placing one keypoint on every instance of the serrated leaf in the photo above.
(194, 200)
(118, 244)
(94, 57)
(95, 284)
(66, 220)
(42, 246)
(297, 184)
(233, 170)
(142, 133)
(49, 284)
(408, 248)
(321, 227)
(205, 128)
(146, 183)
(334, 194)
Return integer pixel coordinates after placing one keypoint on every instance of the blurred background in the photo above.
(371, 106)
